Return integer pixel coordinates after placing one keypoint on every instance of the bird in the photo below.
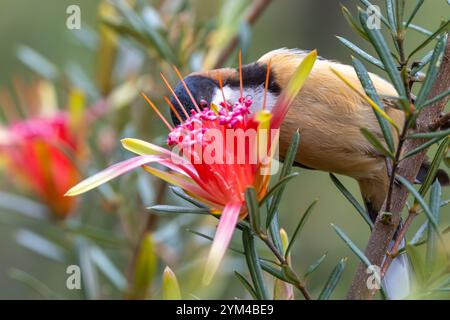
(328, 115)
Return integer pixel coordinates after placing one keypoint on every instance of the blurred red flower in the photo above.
(37, 154)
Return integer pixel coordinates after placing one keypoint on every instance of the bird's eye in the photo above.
(204, 104)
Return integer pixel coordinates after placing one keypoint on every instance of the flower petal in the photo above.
(173, 161)
(141, 147)
(111, 173)
(182, 181)
(292, 89)
(225, 229)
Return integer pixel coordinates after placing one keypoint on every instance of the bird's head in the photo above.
(205, 86)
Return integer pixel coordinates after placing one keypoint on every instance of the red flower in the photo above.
(37, 153)
(220, 179)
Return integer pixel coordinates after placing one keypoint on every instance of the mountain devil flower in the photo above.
(207, 161)
(39, 152)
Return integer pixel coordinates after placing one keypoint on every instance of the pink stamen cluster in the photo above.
(193, 129)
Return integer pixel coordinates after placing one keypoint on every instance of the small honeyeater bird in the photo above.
(328, 115)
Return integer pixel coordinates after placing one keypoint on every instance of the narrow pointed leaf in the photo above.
(254, 266)
(419, 234)
(313, 267)
(333, 280)
(180, 192)
(167, 209)
(432, 73)
(419, 200)
(41, 245)
(253, 208)
(34, 283)
(423, 146)
(285, 171)
(370, 90)
(107, 267)
(90, 282)
(432, 243)
(276, 272)
(274, 228)
(352, 246)
(376, 143)
(36, 62)
(300, 226)
(202, 235)
(246, 284)
(382, 18)
(378, 42)
(429, 135)
(390, 8)
(361, 53)
(422, 63)
(414, 12)
(352, 200)
(420, 29)
(352, 22)
(280, 183)
(434, 166)
(369, 101)
(436, 98)
(440, 30)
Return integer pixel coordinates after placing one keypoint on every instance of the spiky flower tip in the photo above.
(195, 127)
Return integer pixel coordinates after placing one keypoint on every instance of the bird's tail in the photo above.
(397, 279)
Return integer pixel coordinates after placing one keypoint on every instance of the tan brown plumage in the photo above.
(329, 116)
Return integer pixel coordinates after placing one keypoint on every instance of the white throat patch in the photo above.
(232, 94)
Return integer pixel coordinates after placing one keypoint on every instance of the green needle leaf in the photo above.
(253, 208)
(300, 226)
(422, 147)
(419, 200)
(434, 166)
(432, 243)
(376, 143)
(361, 53)
(313, 267)
(433, 70)
(285, 171)
(441, 29)
(253, 264)
(246, 284)
(370, 90)
(333, 280)
(352, 200)
(167, 209)
(384, 53)
(352, 246)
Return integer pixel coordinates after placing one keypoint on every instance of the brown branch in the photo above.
(401, 235)
(383, 232)
(255, 11)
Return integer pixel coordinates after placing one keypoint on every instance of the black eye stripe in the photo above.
(254, 75)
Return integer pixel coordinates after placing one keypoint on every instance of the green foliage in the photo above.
(154, 37)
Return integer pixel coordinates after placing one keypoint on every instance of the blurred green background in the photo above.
(304, 24)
